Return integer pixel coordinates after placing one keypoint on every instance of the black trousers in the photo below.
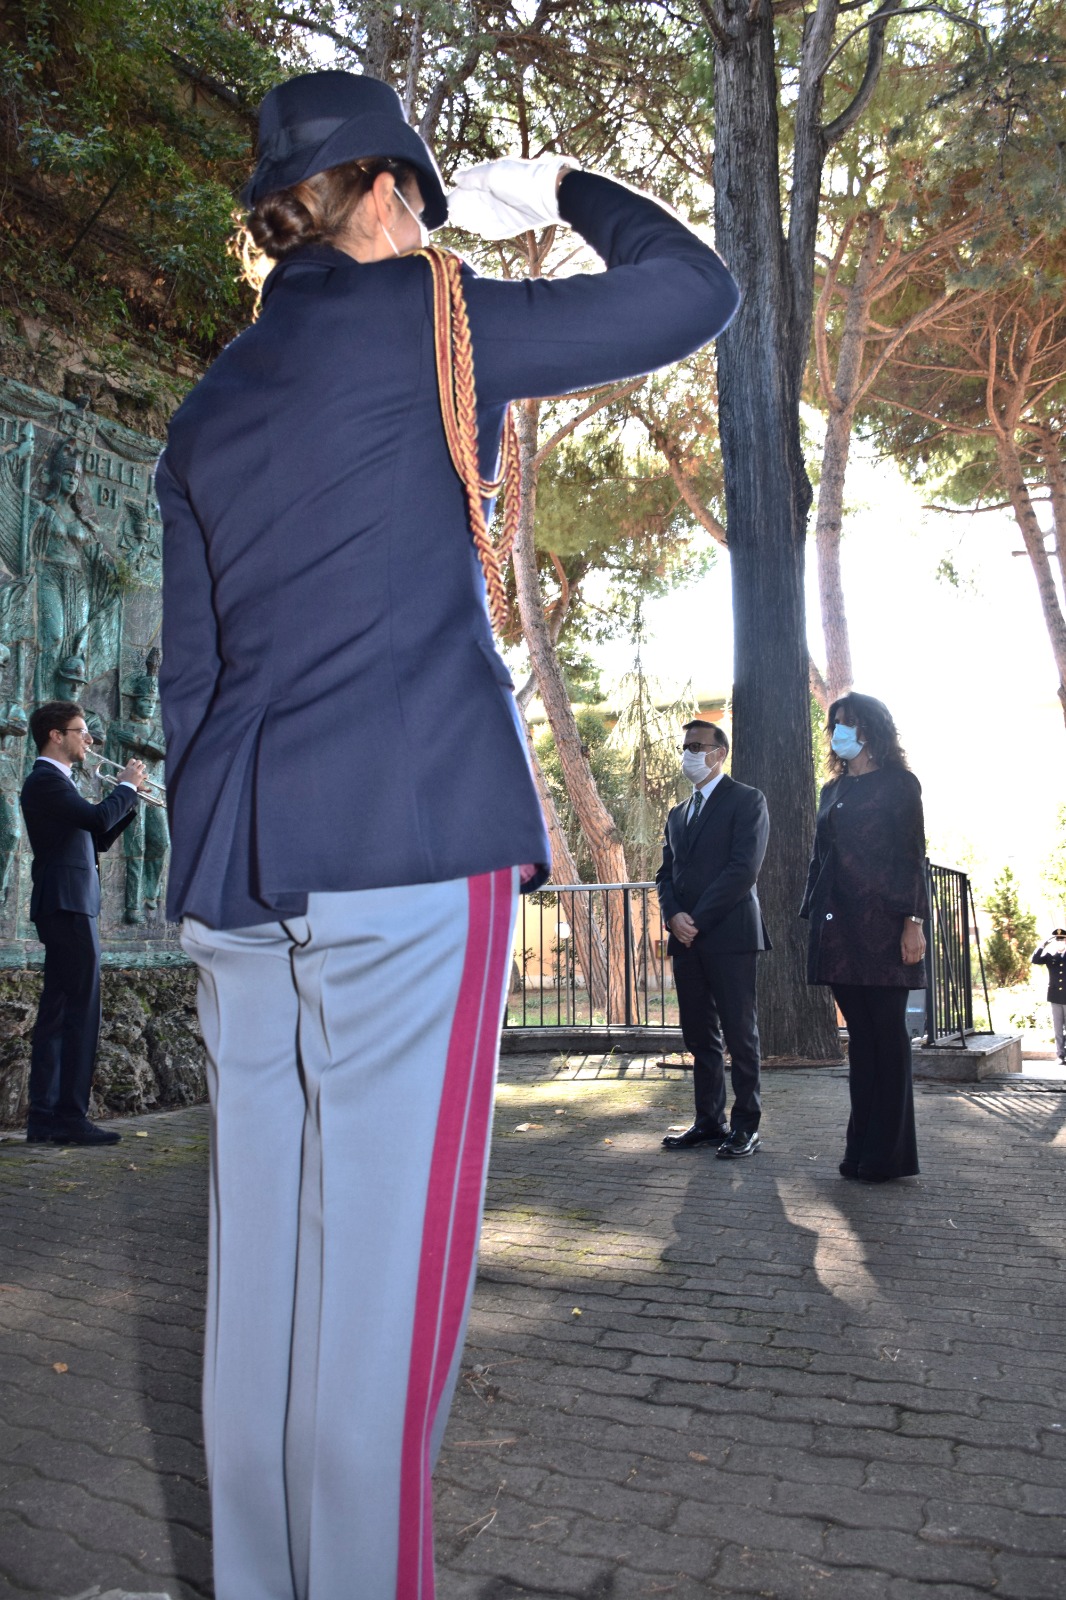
(716, 1000)
(68, 1020)
(881, 1141)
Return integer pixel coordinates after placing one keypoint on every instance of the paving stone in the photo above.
(1030, 1578)
(761, 1530)
(902, 1556)
(904, 1589)
(750, 1570)
(992, 1524)
(890, 1447)
(796, 1466)
(852, 1508)
(663, 1556)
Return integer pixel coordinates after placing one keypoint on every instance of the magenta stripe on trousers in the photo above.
(453, 1214)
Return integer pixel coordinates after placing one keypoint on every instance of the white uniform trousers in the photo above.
(352, 1061)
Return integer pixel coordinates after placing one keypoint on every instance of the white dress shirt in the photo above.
(706, 790)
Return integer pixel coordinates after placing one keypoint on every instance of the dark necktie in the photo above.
(697, 802)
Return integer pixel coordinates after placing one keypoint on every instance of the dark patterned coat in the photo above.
(867, 873)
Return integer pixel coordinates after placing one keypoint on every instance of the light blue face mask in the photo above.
(845, 742)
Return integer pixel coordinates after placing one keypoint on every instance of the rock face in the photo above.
(116, 378)
(151, 1054)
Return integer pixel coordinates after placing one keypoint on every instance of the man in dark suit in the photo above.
(714, 847)
(66, 833)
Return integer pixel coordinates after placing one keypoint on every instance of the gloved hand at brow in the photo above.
(499, 199)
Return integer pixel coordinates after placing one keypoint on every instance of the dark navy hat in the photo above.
(322, 119)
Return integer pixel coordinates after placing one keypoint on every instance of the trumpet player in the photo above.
(67, 834)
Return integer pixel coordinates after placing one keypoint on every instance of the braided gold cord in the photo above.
(458, 402)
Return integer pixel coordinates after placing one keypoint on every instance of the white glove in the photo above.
(499, 199)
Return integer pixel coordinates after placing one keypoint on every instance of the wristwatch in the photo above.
(918, 920)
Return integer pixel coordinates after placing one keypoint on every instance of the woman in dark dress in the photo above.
(866, 903)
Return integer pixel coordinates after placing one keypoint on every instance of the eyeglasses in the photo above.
(681, 748)
(83, 731)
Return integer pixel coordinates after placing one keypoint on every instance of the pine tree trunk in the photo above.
(768, 497)
(589, 948)
(1055, 476)
(596, 823)
(1033, 537)
(838, 669)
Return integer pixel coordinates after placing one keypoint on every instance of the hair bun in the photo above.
(281, 223)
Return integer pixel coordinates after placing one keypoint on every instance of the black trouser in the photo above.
(68, 1020)
(716, 997)
(881, 1142)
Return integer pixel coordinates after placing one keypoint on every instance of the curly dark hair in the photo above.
(317, 210)
(874, 720)
(54, 714)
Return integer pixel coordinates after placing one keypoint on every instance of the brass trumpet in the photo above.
(153, 794)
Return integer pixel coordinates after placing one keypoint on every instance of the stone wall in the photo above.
(151, 1055)
(113, 376)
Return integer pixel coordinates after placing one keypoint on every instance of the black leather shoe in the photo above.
(39, 1135)
(701, 1132)
(738, 1144)
(85, 1133)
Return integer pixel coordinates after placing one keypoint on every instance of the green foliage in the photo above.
(1013, 938)
(819, 745)
(608, 770)
(986, 149)
(606, 505)
(647, 734)
(128, 130)
(635, 765)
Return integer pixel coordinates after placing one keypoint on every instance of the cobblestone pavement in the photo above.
(684, 1377)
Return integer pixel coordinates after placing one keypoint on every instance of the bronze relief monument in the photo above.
(80, 616)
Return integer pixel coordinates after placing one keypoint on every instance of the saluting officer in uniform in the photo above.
(346, 852)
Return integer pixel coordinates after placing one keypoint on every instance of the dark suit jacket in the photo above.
(709, 870)
(66, 834)
(336, 714)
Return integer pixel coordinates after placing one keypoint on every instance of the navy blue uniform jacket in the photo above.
(710, 868)
(66, 835)
(336, 714)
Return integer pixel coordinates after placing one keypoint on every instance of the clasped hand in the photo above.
(683, 928)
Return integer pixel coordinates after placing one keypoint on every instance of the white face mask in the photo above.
(695, 768)
(423, 231)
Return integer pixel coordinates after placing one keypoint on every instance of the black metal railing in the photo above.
(953, 942)
(591, 957)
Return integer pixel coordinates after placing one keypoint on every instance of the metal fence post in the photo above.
(627, 952)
